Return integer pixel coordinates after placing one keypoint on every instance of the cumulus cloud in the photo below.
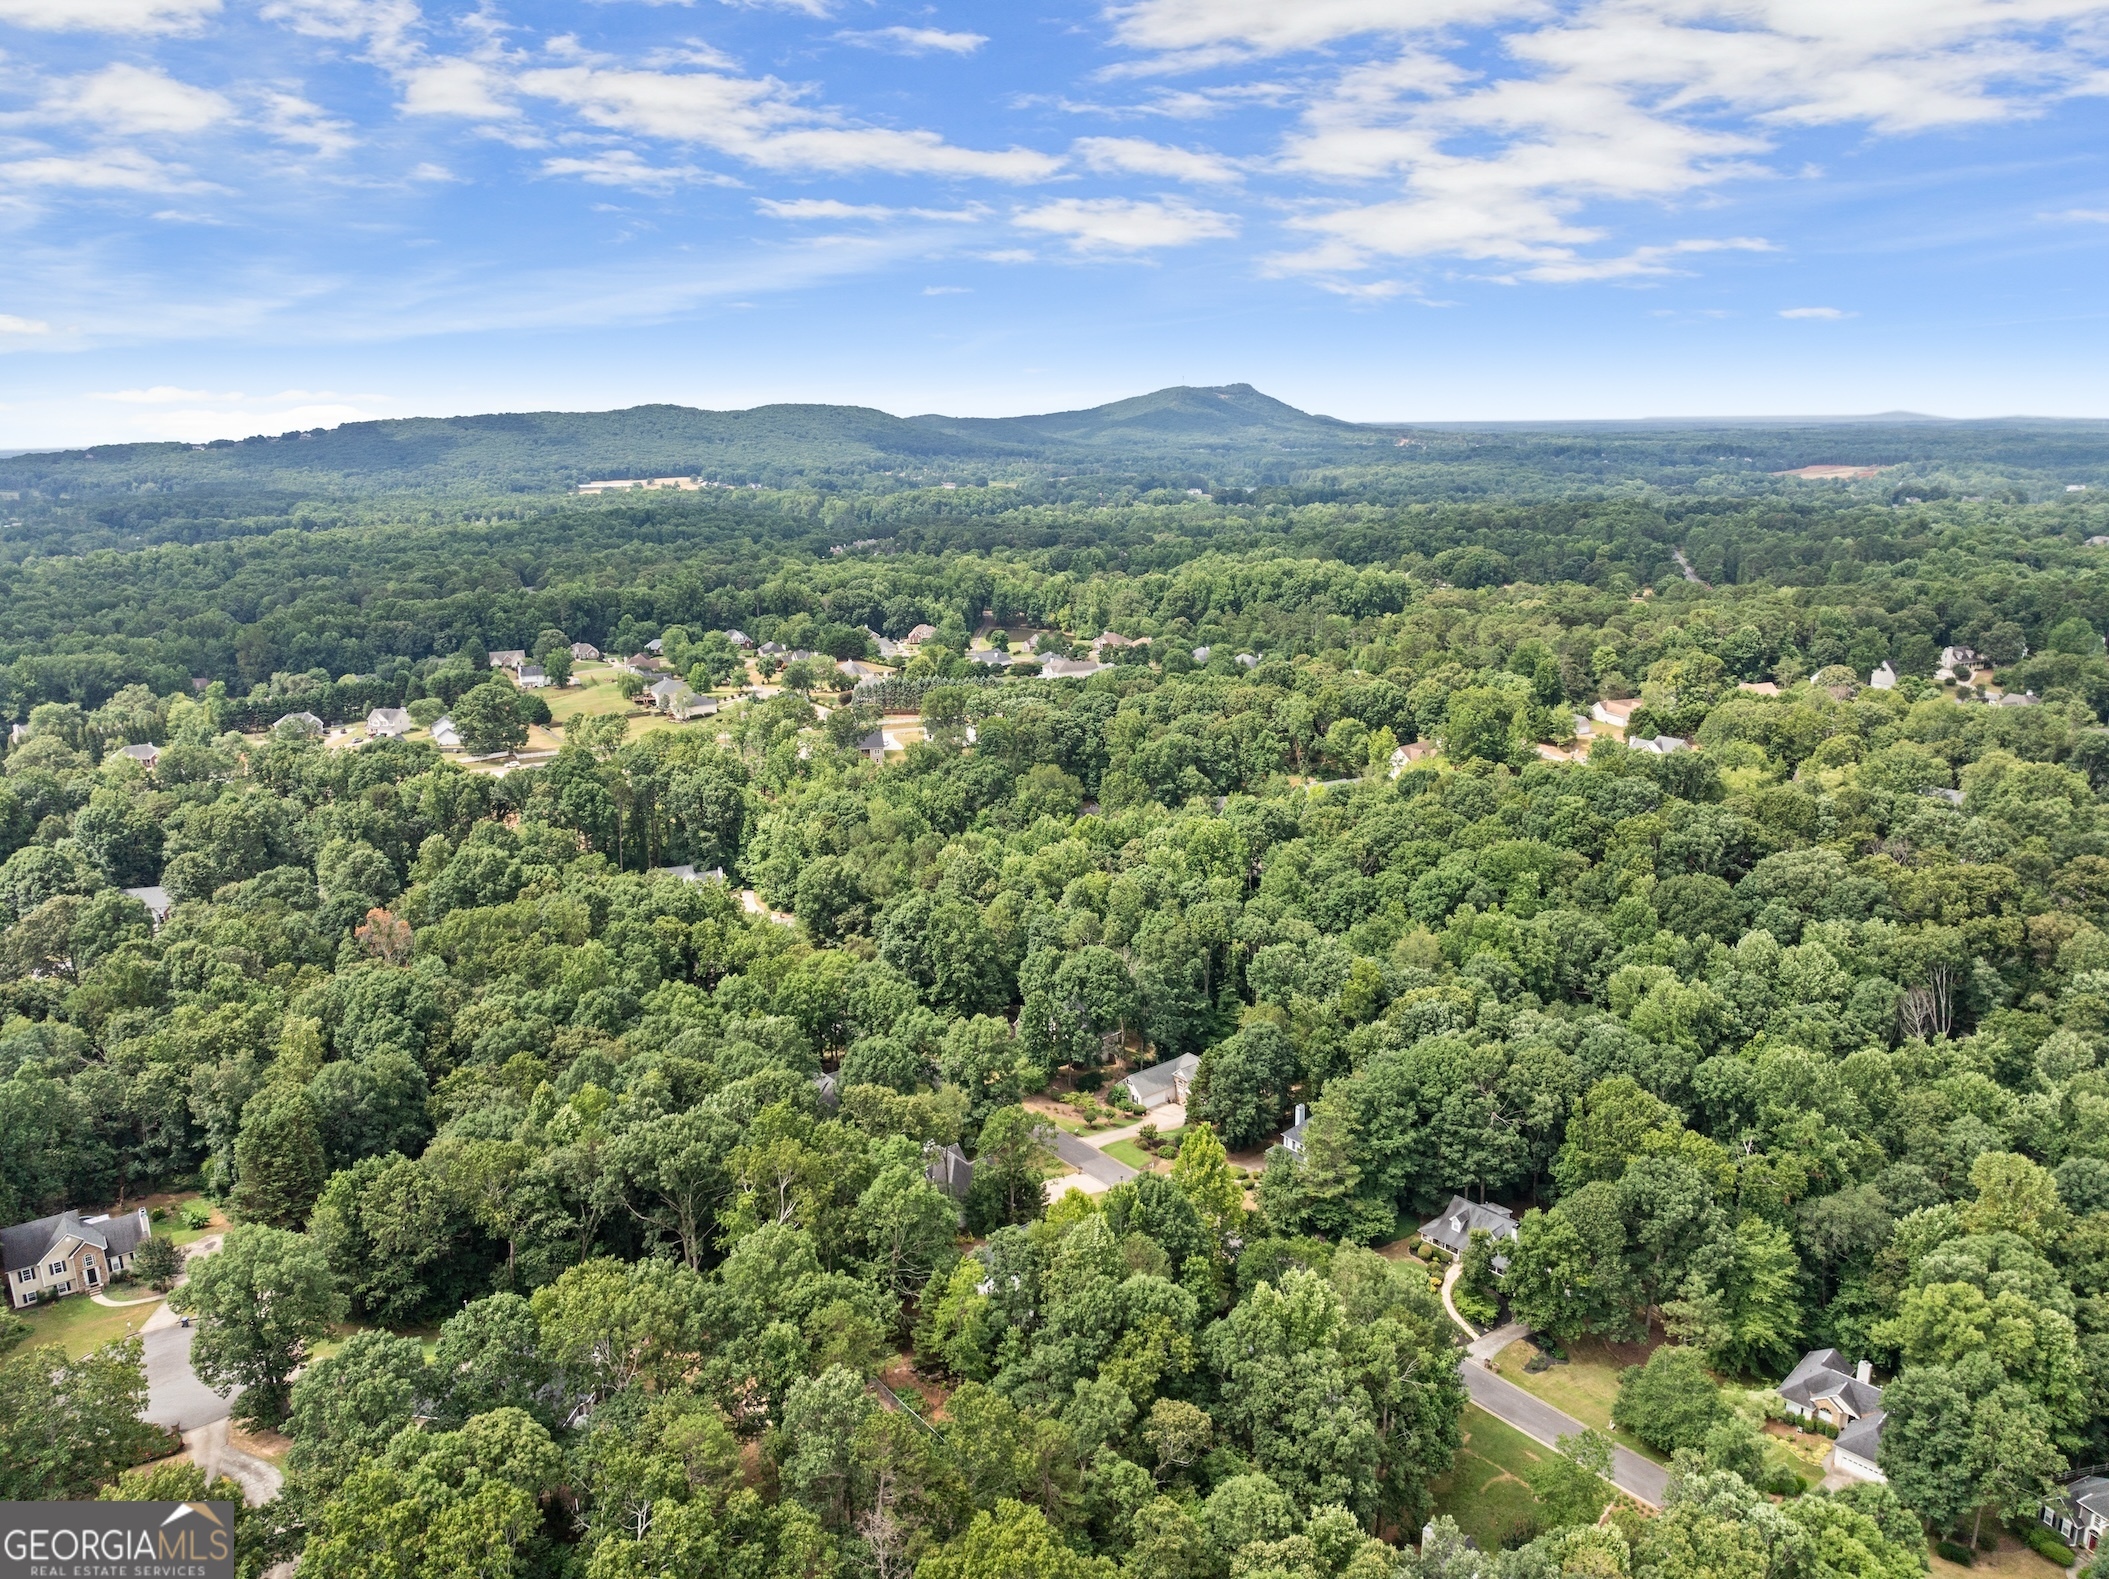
(108, 16)
(2081, 216)
(1118, 224)
(624, 167)
(832, 208)
(124, 99)
(1814, 312)
(1506, 147)
(10, 324)
(916, 40)
(455, 86)
(765, 123)
(1140, 156)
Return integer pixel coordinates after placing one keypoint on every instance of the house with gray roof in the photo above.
(1168, 1082)
(947, 1167)
(584, 651)
(146, 756)
(510, 658)
(388, 723)
(2079, 1512)
(1293, 1136)
(1831, 1390)
(1452, 1227)
(299, 724)
(156, 899)
(68, 1253)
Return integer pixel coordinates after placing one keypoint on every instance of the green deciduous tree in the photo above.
(264, 1298)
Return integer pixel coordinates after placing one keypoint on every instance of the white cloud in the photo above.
(623, 167)
(2083, 216)
(1140, 156)
(831, 208)
(809, 7)
(1641, 262)
(113, 170)
(108, 16)
(1116, 224)
(124, 99)
(10, 324)
(1815, 312)
(1498, 148)
(916, 40)
(292, 119)
(455, 86)
(948, 290)
(383, 22)
(763, 122)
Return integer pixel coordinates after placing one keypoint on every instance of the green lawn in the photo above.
(1586, 1387)
(1485, 1491)
(1130, 1153)
(78, 1325)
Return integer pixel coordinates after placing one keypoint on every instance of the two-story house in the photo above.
(68, 1253)
(2079, 1512)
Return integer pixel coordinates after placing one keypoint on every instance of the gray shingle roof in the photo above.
(1148, 1082)
(1452, 1227)
(25, 1243)
(1825, 1373)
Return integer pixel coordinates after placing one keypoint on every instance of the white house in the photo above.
(1884, 678)
(532, 677)
(2079, 1512)
(69, 1253)
(510, 658)
(1661, 745)
(1959, 658)
(739, 638)
(1829, 1389)
(156, 899)
(299, 723)
(445, 735)
(388, 723)
(1616, 713)
(1162, 1083)
(1293, 1136)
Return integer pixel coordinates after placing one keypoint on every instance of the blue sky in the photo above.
(220, 217)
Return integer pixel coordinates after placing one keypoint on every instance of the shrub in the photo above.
(195, 1215)
(1953, 1553)
(2047, 1545)
(1670, 1402)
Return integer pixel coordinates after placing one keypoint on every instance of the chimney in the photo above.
(1864, 1371)
(1302, 1112)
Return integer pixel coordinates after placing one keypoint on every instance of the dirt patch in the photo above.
(905, 1379)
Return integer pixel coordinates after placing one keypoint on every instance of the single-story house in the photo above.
(1661, 745)
(1069, 668)
(510, 658)
(990, 658)
(858, 669)
(1884, 678)
(739, 638)
(1203, 654)
(2079, 1512)
(645, 663)
(947, 1167)
(445, 735)
(656, 644)
(146, 756)
(1452, 1227)
(772, 649)
(1758, 687)
(1161, 1083)
(2094, 542)
(388, 723)
(1828, 1388)
(1112, 639)
(1617, 712)
(532, 677)
(68, 1253)
(2015, 699)
(887, 647)
(157, 900)
(1293, 1136)
(688, 874)
(584, 651)
(301, 723)
(1248, 660)
(1953, 797)
(919, 635)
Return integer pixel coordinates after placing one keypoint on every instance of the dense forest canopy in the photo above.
(1790, 1038)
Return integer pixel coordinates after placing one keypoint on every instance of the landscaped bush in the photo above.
(2045, 1543)
(1954, 1553)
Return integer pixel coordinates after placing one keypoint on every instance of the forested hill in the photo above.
(1207, 438)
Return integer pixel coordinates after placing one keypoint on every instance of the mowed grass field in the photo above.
(1585, 1387)
(1488, 1491)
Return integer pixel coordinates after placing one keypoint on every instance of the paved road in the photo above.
(1539, 1421)
(175, 1396)
(1088, 1159)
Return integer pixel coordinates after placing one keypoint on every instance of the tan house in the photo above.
(69, 1253)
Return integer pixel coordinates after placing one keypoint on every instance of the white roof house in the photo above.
(1884, 678)
(1163, 1083)
(156, 899)
(445, 735)
(388, 723)
(1661, 745)
(146, 756)
(510, 658)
